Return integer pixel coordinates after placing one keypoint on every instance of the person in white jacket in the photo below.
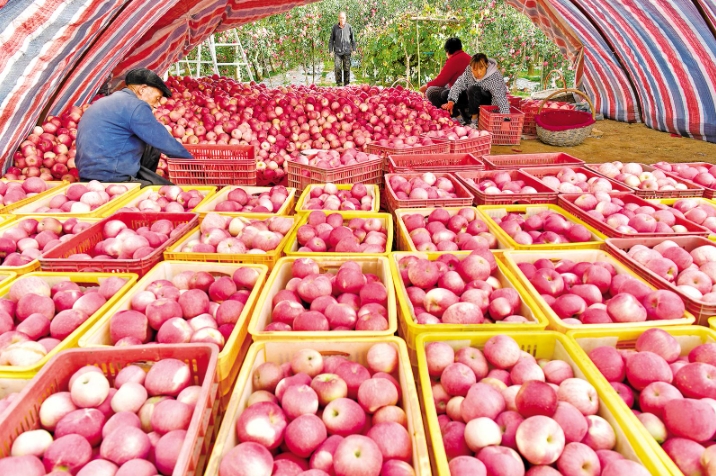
(484, 84)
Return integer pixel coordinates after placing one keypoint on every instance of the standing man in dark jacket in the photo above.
(120, 140)
(341, 45)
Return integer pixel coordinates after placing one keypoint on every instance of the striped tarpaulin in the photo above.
(670, 54)
(709, 12)
(41, 42)
(598, 71)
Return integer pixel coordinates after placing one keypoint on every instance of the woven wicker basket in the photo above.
(568, 137)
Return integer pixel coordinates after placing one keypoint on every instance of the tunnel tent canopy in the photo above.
(652, 61)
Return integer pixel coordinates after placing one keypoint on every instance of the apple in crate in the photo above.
(458, 290)
(86, 428)
(238, 235)
(457, 133)
(170, 199)
(673, 392)
(440, 231)
(239, 200)
(567, 180)
(192, 307)
(348, 299)
(13, 192)
(328, 197)
(335, 436)
(35, 317)
(634, 175)
(83, 198)
(330, 159)
(502, 183)
(425, 187)
(334, 234)
(702, 175)
(504, 426)
(546, 227)
(629, 217)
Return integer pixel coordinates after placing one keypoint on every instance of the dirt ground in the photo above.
(612, 140)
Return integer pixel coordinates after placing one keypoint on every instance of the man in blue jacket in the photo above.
(120, 140)
(342, 43)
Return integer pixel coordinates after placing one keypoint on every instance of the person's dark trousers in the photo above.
(342, 68)
(476, 97)
(463, 106)
(148, 168)
(437, 95)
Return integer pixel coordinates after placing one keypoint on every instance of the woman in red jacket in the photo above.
(457, 60)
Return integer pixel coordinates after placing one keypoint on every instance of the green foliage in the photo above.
(388, 39)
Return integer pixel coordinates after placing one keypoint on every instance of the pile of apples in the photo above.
(693, 273)
(328, 197)
(192, 307)
(319, 415)
(35, 317)
(671, 392)
(633, 175)
(333, 234)
(239, 200)
(594, 293)
(629, 217)
(170, 199)
(409, 142)
(322, 301)
(330, 159)
(29, 238)
(122, 242)
(451, 290)
(424, 187)
(440, 231)
(238, 235)
(699, 174)
(91, 428)
(12, 192)
(567, 180)
(49, 150)
(82, 198)
(543, 228)
(696, 211)
(499, 408)
(501, 183)
(457, 133)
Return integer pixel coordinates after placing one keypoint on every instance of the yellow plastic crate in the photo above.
(281, 274)
(6, 277)
(207, 206)
(269, 258)
(405, 243)
(70, 341)
(512, 258)
(230, 357)
(490, 212)
(544, 345)
(372, 190)
(687, 336)
(291, 248)
(52, 188)
(356, 350)
(712, 323)
(29, 210)
(34, 264)
(411, 330)
(133, 200)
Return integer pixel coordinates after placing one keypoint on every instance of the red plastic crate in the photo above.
(477, 146)
(218, 165)
(708, 192)
(464, 197)
(692, 191)
(544, 193)
(515, 101)
(443, 163)
(301, 176)
(24, 413)
(56, 259)
(439, 148)
(503, 132)
(566, 201)
(618, 247)
(519, 161)
(539, 172)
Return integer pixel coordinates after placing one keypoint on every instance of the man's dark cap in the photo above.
(148, 77)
